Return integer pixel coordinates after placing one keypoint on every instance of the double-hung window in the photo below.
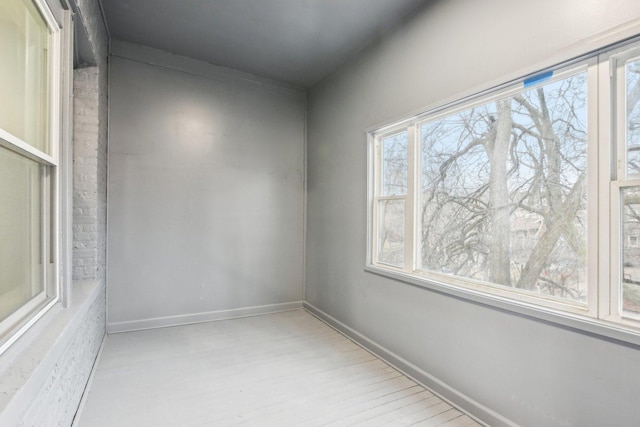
(527, 194)
(622, 303)
(29, 163)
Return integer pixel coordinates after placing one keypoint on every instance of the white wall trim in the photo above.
(186, 319)
(198, 68)
(456, 398)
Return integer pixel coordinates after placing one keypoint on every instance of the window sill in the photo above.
(576, 322)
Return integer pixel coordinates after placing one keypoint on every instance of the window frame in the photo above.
(616, 91)
(55, 185)
(408, 198)
(601, 314)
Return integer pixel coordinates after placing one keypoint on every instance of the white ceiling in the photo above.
(293, 41)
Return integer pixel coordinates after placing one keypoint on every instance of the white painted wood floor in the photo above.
(283, 369)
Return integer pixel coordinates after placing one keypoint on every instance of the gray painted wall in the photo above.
(205, 190)
(531, 372)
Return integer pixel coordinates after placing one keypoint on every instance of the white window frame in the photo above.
(407, 198)
(616, 91)
(56, 183)
(602, 312)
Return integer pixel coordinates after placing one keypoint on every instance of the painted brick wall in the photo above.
(86, 133)
(57, 402)
(90, 151)
(85, 180)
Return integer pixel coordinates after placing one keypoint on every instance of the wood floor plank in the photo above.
(462, 421)
(439, 419)
(403, 415)
(285, 369)
(295, 397)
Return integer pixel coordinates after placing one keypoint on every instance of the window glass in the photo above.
(503, 196)
(391, 232)
(24, 45)
(630, 250)
(21, 268)
(394, 164)
(633, 117)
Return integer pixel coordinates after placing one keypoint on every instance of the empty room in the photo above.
(319, 213)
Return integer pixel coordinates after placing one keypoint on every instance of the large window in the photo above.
(29, 163)
(514, 193)
(626, 186)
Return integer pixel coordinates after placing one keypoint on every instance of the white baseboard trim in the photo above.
(468, 405)
(186, 319)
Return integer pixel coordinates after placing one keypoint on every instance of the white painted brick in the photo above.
(57, 401)
(89, 154)
(87, 238)
(85, 160)
(82, 228)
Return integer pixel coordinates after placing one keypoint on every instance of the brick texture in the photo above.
(90, 152)
(57, 402)
(86, 135)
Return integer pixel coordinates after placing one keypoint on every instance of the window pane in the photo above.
(21, 272)
(394, 165)
(631, 250)
(391, 232)
(503, 191)
(24, 38)
(633, 117)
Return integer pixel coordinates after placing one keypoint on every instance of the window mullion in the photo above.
(610, 290)
(598, 175)
(377, 168)
(606, 169)
(45, 220)
(612, 170)
(410, 202)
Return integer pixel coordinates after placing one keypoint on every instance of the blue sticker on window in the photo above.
(537, 78)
